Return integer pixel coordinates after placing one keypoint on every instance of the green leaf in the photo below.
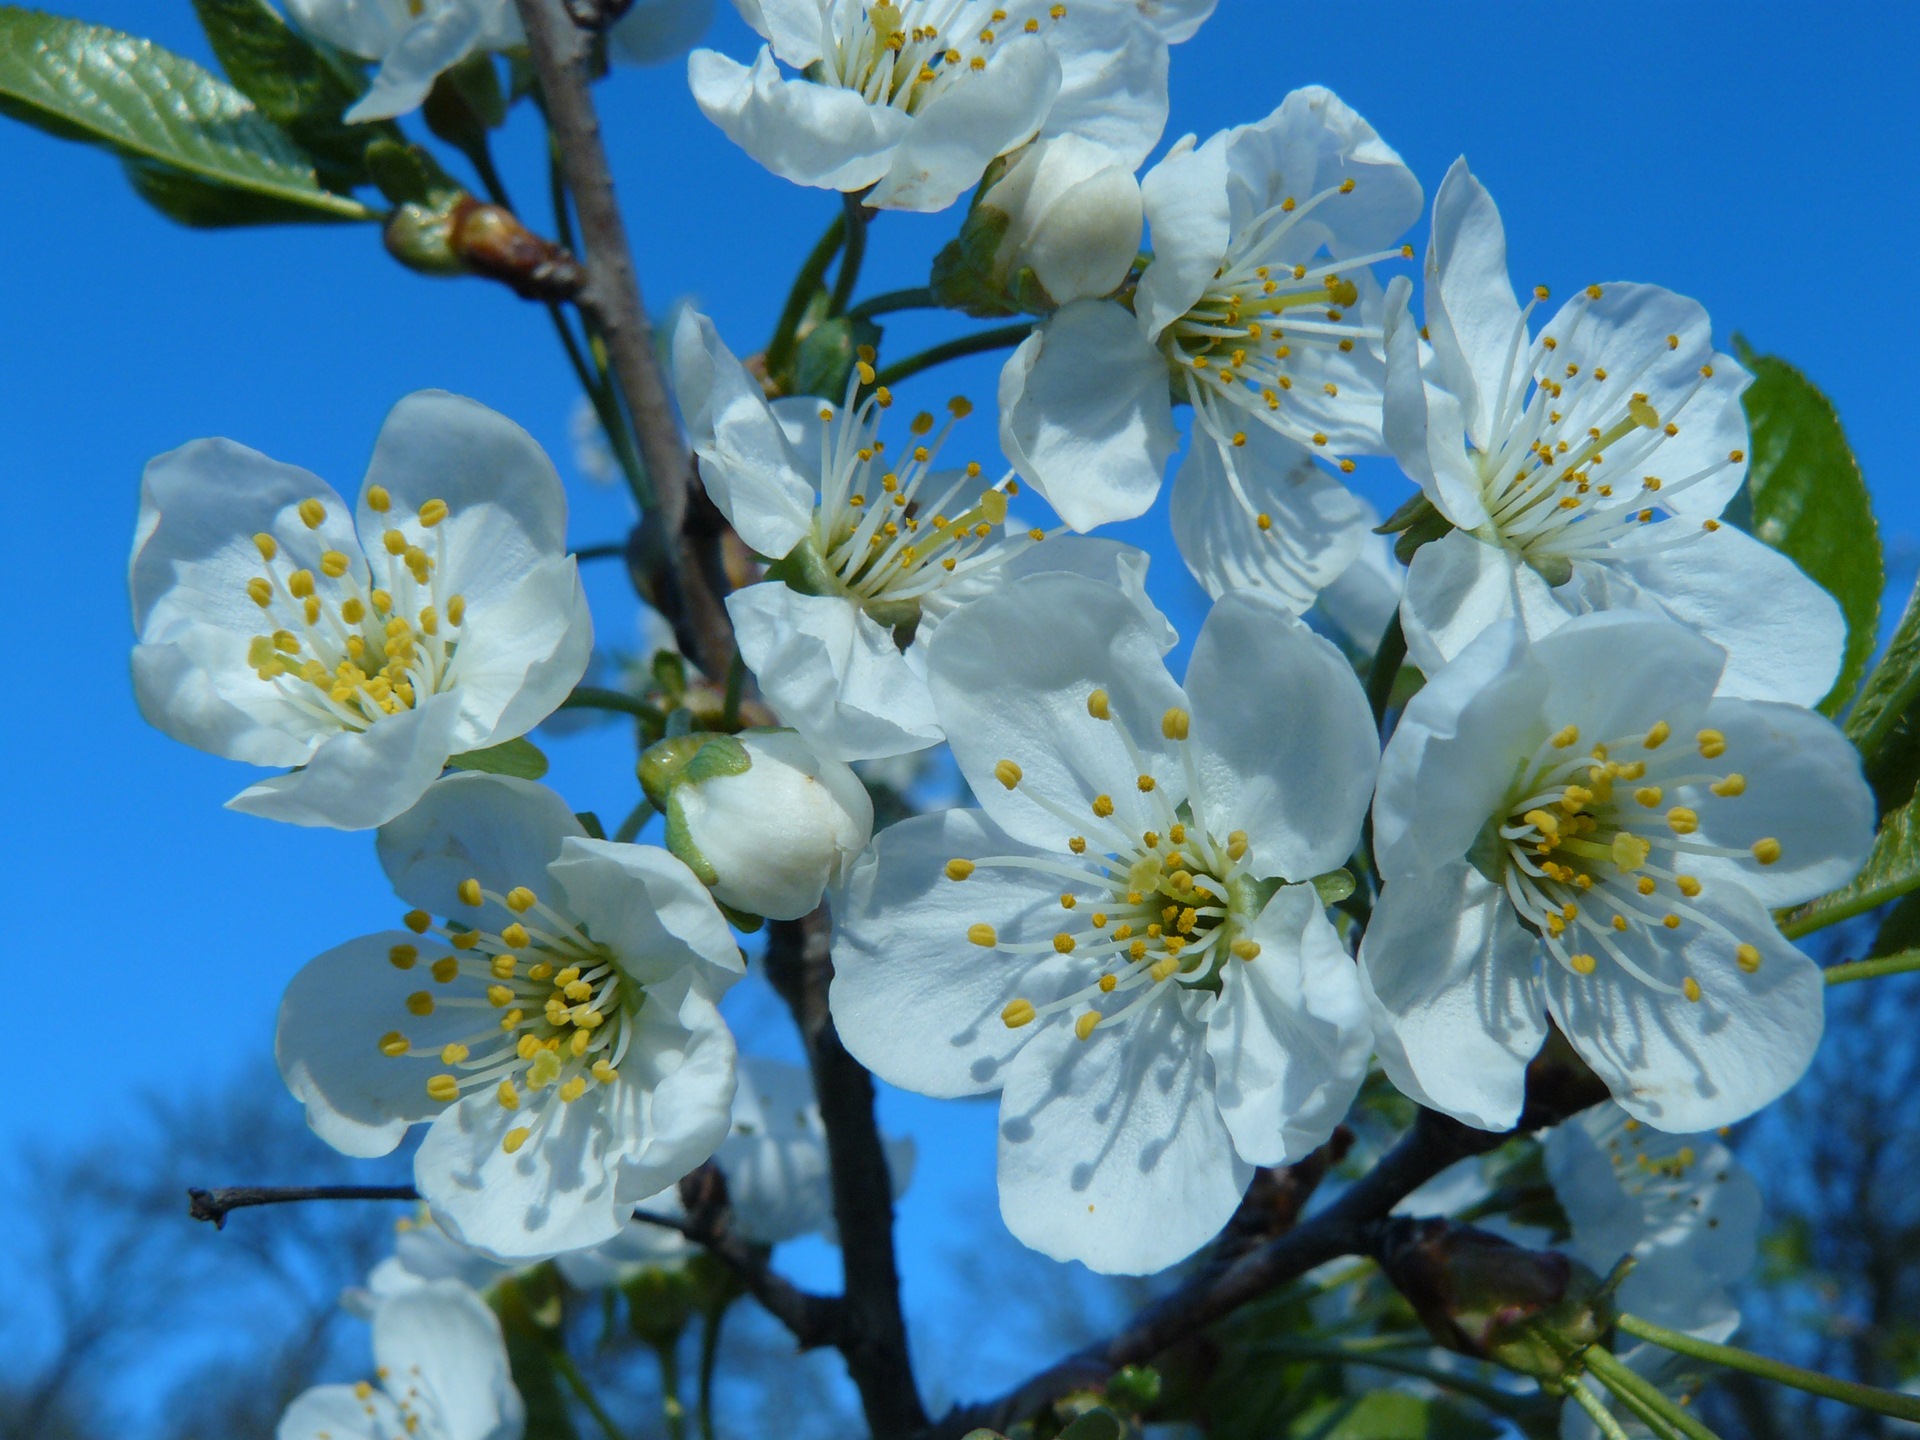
(163, 114)
(519, 758)
(406, 173)
(1885, 721)
(1094, 1425)
(300, 85)
(1892, 869)
(590, 823)
(1811, 504)
(1390, 1415)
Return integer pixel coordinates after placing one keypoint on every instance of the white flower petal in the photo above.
(796, 29)
(1177, 20)
(832, 673)
(1112, 1149)
(1191, 220)
(1290, 1037)
(1318, 525)
(358, 1099)
(336, 1412)
(816, 135)
(496, 829)
(1681, 1065)
(960, 131)
(357, 780)
(650, 910)
(914, 999)
(1112, 562)
(1113, 84)
(1085, 415)
(1480, 343)
(1618, 673)
(436, 40)
(1423, 424)
(1282, 737)
(1803, 787)
(443, 1340)
(1361, 599)
(1010, 677)
(1459, 586)
(521, 654)
(753, 474)
(1457, 1008)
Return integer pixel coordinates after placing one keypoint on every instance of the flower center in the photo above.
(904, 53)
(566, 1005)
(1661, 1171)
(889, 533)
(347, 653)
(1156, 912)
(1234, 354)
(1556, 493)
(418, 1417)
(1591, 847)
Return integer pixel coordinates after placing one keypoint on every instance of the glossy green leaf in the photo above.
(520, 758)
(301, 85)
(1892, 870)
(1810, 502)
(1885, 721)
(163, 114)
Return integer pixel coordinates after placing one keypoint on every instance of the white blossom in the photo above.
(441, 1368)
(1258, 309)
(357, 648)
(1073, 217)
(1581, 826)
(1585, 468)
(413, 41)
(874, 547)
(1117, 940)
(557, 1027)
(916, 98)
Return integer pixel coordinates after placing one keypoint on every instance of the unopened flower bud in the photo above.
(492, 242)
(1061, 222)
(762, 820)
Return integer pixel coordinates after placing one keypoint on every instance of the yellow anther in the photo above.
(445, 968)
(1545, 821)
(516, 935)
(394, 1043)
(983, 935)
(1747, 957)
(333, 564)
(1007, 773)
(382, 601)
(573, 1089)
(1103, 805)
(1017, 1013)
(353, 610)
(499, 996)
(1644, 885)
(1540, 292)
(540, 970)
(1138, 949)
(1246, 949)
(604, 1072)
(1620, 922)
(1766, 851)
(418, 921)
(1087, 1024)
(1146, 783)
(566, 977)
(1682, 821)
(1687, 885)
(1263, 520)
(511, 1020)
(1657, 736)
(1175, 725)
(1346, 186)
(402, 957)
(420, 1002)
(959, 869)
(1178, 834)
(395, 542)
(300, 584)
(378, 500)
(443, 1088)
(1690, 987)
(429, 620)
(1713, 744)
(503, 966)
(1566, 736)
(1730, 786)
(469, 891)
(1237, 845)
(580, 1041)
(1162, 969)
(528, 1047)
(1098, 705)
(1181, 881)
(1630, 852)
(1077, 844)
(1648, 795)
(432, 513)
(1068, 902)
(1643, 414)
(1576, 798)
(1063, 943)
(312, 514)
(516, 1137)
(464, 939)
(1583, 964)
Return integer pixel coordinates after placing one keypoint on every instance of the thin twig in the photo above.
(851, 258)
(875, 1339)
(1004, 338)
(214, 1205)
(612, 301)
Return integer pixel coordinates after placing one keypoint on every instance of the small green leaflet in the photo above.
(194, 146)
(520, 758)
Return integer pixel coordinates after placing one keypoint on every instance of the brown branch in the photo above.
(875, 1342)
(214, 1205)
(611, 302)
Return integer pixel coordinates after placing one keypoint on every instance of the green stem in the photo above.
(576, 1382)
(674, 1413)
(482, 157)
(595, 697)
(1900, 964)
(736, 691)
(855, 255)
(893, 300)
(1387, 661)
(978, 344)
(1596, 1410)
(611, 550)
(1641, 1395)
(709, 1365)
(1863, 1397)
(780, 348)
(1361, 1354)
(634, 823)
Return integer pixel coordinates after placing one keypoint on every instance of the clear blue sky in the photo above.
(1761, 157)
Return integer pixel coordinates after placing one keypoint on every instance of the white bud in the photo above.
(1074, 218)
(779, 832)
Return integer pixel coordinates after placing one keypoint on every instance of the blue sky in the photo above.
(1761, 158)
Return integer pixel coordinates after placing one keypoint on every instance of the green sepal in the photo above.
(1556, 570)
(465, 103)
(803, 569)
(745, 923)
(1334, 886)
(1413, 511)
(590, 823)
(520, 758)
(827, 354)
(660, 1302)
(1426, 526)
(691, 759)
